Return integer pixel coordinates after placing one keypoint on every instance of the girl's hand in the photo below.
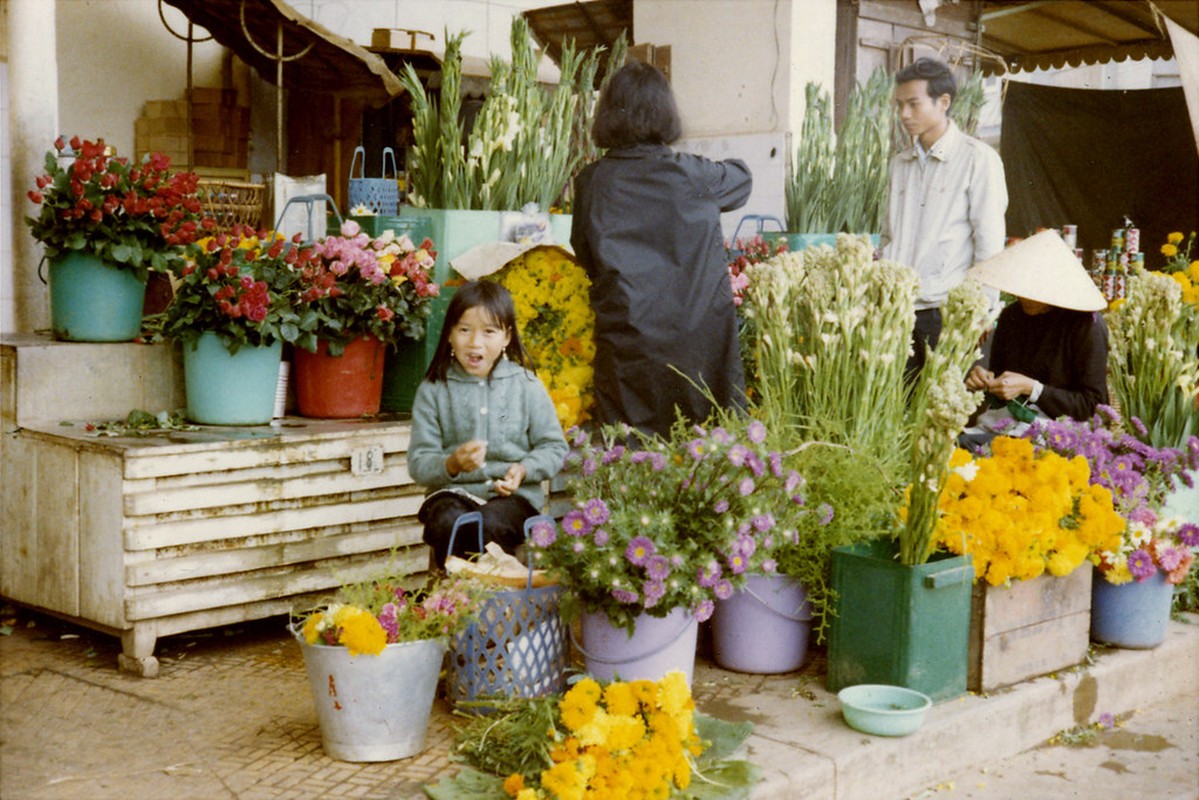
(511, 481)
(467, 458)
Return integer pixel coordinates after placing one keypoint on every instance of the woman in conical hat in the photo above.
(1049, 353)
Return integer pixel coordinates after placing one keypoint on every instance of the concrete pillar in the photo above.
(33, 126)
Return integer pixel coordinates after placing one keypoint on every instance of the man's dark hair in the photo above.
(937, 73)
(636, 107)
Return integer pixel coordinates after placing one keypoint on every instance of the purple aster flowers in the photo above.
(1140, 564)
(639, 550)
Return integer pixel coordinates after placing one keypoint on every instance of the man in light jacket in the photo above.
(946, 201)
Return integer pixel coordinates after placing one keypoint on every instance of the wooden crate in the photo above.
(1028, 629)
(146, 537)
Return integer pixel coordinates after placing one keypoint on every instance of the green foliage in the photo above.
(862, 496)
(519, 150)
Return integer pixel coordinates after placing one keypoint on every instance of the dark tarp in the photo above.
(1089, 157)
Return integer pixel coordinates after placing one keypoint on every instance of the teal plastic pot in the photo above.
(91, 301)
(224, 389)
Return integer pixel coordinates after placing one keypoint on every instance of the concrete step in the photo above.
(807, 752)
(45, 380)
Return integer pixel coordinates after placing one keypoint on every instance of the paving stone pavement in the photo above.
(231, 717)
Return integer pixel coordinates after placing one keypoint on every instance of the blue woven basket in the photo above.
(382, 194)
(517, 645)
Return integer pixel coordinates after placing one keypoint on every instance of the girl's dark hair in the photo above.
(636, 107)
(937, 73)
(497, 304)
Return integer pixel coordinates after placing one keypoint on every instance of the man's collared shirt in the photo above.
(945, 212)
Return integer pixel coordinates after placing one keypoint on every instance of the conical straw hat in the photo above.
(1041, 268)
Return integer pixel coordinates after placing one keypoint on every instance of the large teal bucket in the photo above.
(91, 301)
(224, 389)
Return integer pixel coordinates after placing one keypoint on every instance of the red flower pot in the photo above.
(340, 387)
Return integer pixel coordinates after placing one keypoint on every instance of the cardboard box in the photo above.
(215, 96)
(165, 108)
(160, 126)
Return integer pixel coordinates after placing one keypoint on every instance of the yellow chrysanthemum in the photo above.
(1169, 250)
(360, 631)
(1174, 237)
(514, 784)
(564, 780)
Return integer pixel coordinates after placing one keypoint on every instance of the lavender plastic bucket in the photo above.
(658, 645)
(763, 628)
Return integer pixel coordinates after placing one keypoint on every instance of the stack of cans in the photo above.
(1111, 267)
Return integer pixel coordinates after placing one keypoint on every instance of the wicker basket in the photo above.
(231, 202)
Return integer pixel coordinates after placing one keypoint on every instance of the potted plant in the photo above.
(1138, 570)
(373, 657)
(1154, 358)
(358, 295)
(644, 554)
(903, 606)
(105, 224)
(517, 156)
(1130, 602)
(235, 306)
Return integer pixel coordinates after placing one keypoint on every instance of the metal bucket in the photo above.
(373, 708)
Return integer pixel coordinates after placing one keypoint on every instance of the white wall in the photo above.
(738, 69)
(113, 56)
(487, 22)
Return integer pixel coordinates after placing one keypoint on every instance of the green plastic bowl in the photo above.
(883, 710)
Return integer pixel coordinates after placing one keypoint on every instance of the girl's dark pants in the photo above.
(503, 523)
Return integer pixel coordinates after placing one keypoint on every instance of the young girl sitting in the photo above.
(484, 431)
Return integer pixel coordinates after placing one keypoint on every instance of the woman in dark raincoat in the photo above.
(647, 229)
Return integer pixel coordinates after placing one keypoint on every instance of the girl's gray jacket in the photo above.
(511, 410)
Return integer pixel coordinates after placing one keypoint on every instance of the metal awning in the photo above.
(1043, 34)
(257, 30)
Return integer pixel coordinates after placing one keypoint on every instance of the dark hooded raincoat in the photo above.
(647, 229)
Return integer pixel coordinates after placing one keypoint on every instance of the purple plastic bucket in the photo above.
(658, 645)
(763, 628)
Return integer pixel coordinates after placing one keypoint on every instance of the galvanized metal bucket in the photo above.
(373, 708)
